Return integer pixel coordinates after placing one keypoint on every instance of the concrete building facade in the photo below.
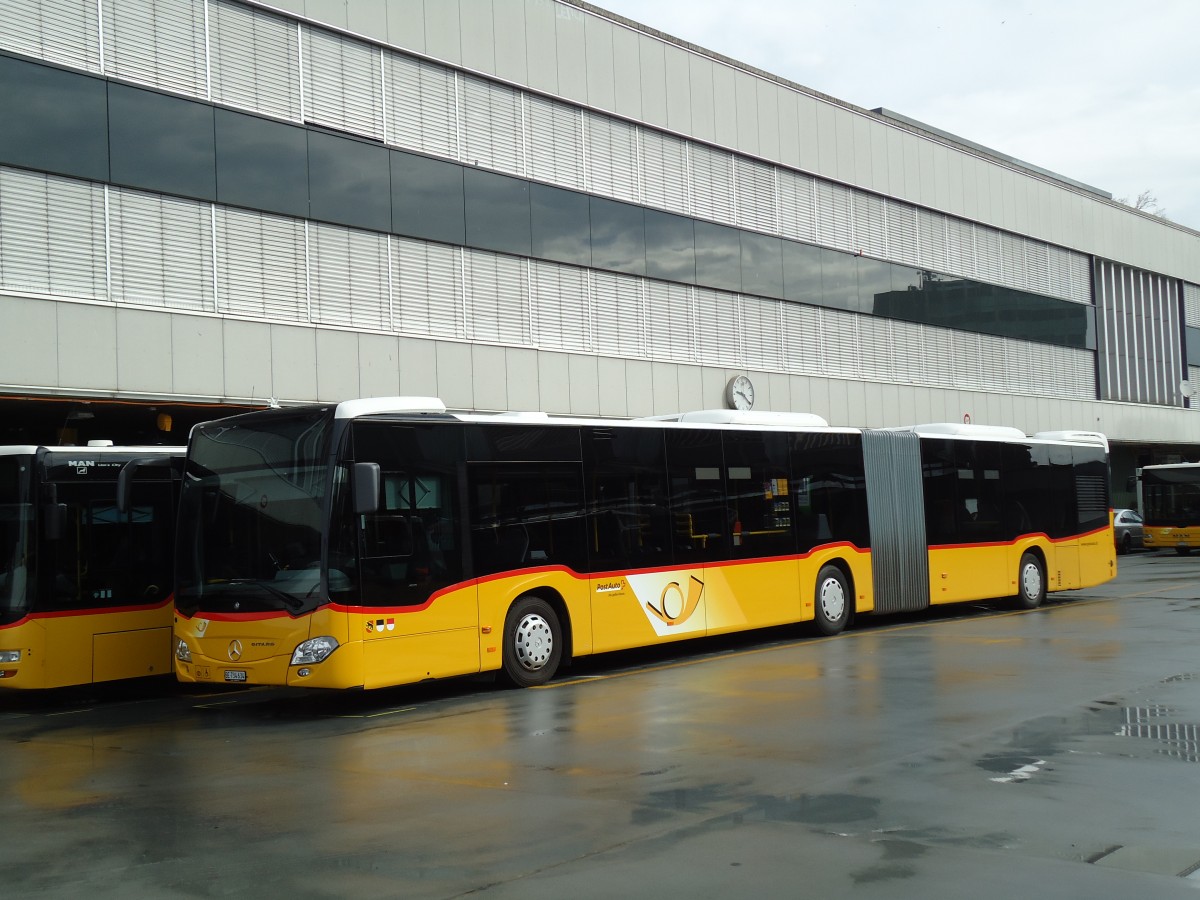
(536, 204)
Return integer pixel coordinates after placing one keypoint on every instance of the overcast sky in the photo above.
(1106, 92)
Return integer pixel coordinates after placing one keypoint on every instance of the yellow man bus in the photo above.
(1170, 501)
(85, 586)
(387, 541)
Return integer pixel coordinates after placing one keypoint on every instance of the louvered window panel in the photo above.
(619, 314)
(1081, 278)
(1193, 395)
(802, 343)
(670, 323)
(965, 354)
(664, 172)
(712, 184)
(988, 257)
(51, 235)
(342, 83)
(835, 226)
(870, 225)
(937, 361)
(931, 240)
(1059, 272)
(994, 367)
(1012, 259)
(797, 206)
(427, 286)
(492, 126)
(60, 31)
(612, 158)
(561, 314)
(908, 352)
(255, 60)
(1191, 305)
(762, 333)
(960, 247)
(875, 347)
(158, 42)
(756, 194)
(261, 266)
(161, 251)
(348, 277)
(717, 328)
(902, 233)
(554, 137)
(1037, 266)
(839, 343)
(497, 298)
(421, 106)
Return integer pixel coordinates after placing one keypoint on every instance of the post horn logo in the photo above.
(673, 607)
(235, 650)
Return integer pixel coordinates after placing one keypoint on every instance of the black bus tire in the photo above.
(833, 601)
(1031, 582)
(533, 643)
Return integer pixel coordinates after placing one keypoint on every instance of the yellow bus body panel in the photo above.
(63, 650)
(1157, 537)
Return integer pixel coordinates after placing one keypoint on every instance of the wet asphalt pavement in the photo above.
(975, 752)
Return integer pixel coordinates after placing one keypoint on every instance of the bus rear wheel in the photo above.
(1031, 582)
(532, 643)
(833, 601)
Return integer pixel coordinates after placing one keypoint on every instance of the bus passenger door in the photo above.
(415, 616)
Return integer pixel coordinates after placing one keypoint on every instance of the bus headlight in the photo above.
(10, 656)
(183, 652)
(314, 650)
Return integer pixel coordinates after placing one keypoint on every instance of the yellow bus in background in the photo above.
(387, 541)
(1169, 496)
(85, 586)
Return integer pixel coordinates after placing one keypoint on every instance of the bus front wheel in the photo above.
(532, 643)
(832, 609)
(1031, 582)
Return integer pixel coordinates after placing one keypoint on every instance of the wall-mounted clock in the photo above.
(739, 393)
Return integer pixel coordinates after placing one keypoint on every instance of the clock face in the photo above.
(740, 393)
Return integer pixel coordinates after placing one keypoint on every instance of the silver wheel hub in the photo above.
(832, 598)
(1031, 581)
(533, 642)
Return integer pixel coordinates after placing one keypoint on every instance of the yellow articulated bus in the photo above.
(1170, 501)
(385, 541)
(85, 581)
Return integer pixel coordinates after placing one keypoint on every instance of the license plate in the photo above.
(235, 675)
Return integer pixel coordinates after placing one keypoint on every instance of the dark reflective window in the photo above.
(762, 265)
(618, 236)
(161, 143)
(757, 475)
(53, 120)
(349, 182)
(874, 280)
(839, 280)
(261, 164)
(560, 225)
(427, 198)
(828, 490)
(497, 212)
(801, 273)
(629, 520)
(718, 257)
(699, 516)
(1192, 335)
(670, 247)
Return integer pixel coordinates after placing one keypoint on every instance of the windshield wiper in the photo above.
(290, 601)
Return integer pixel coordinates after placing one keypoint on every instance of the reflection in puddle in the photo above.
(1182, 740)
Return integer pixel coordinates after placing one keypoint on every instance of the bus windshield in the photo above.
(1171, 496)
(251, 517)
(16, 525)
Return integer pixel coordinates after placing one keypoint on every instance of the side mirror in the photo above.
(366, 487)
